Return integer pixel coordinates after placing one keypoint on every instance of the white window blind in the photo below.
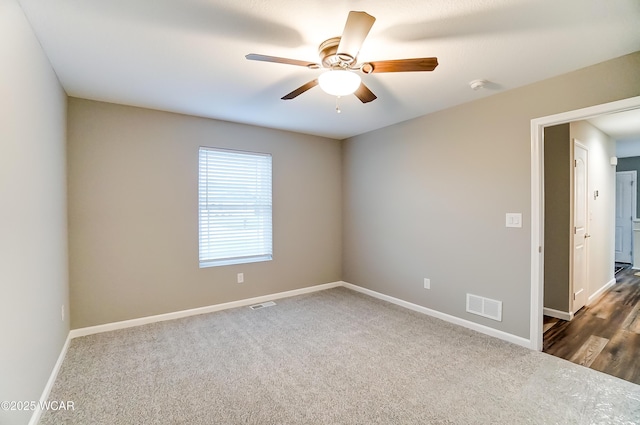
(234, 204)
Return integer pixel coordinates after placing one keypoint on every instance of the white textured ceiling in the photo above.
(187, 56)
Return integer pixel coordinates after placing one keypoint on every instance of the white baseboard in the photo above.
(37, 413)
(443, 316)
(568, 316)
(600, 291)
(563, 315)
(75, 333)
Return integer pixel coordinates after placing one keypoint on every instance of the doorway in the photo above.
(537, 201)
(625, 212)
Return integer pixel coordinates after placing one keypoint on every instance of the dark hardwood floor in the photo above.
(605, 335)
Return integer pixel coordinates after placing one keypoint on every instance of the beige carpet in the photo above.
(332, 357)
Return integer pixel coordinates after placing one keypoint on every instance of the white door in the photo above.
(580, 229)
(625, 211)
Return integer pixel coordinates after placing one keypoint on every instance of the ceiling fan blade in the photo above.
(355, 31)
(405, 65)
(297, 92)
(364, 94)
(286, 61)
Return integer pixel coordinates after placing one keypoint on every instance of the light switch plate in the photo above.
(514, 220)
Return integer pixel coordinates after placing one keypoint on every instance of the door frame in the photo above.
(634, 204)
(537, 201)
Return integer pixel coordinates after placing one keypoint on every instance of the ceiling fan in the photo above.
(339, 56)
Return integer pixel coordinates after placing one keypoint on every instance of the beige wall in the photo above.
(428, 197)
(133, 177)
(33, 221)
(557, 216)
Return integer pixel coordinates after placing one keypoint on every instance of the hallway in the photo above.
(605, 335)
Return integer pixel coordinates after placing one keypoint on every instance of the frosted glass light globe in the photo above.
(339, 82)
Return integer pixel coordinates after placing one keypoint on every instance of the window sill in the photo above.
(231, 261)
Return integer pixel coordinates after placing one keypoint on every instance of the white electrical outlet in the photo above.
(62, 312)
(240, 277)
(427, 283)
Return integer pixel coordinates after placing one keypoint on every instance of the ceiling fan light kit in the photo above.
(339, 82)
(340, 56)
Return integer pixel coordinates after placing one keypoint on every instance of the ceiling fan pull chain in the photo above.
(338, 105)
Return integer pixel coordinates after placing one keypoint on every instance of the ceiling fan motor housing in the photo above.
(330, 57)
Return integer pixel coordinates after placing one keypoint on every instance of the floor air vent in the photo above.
(262, 305)
(485, 307)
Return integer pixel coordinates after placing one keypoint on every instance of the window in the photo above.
(234, 207)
